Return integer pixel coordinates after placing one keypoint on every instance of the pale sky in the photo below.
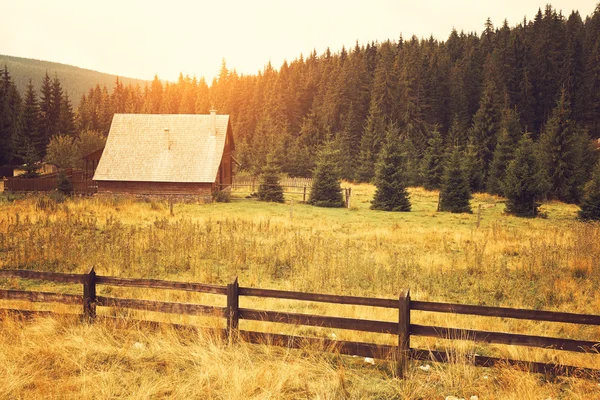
(141, 38)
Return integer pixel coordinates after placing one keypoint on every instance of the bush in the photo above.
(221, 196)
(64, 185)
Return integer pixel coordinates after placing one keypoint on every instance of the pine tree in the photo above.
(370, 143)
(66, 120)
(433, 161)
(455, 192)
(525, 181)
(390, 179)
(10, 110)
(559, 146)
(486, 122)
(473, 166)
(326, 190)
(590, 207)
(503, 154)
(56, 100)
(30, 127)
(45, 122)
(270, 188)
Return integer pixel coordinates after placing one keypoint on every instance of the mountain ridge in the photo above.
(74, 80)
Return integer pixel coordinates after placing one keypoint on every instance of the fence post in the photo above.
(233, 307)
(349, 196)
(304, 195)
(403, 332)
(89, 296)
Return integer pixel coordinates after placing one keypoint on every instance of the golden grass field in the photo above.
(548, 263)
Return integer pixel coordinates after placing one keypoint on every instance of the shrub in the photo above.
(64, 185)
(221, 196)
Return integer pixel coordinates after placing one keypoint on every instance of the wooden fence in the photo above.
(49, 182)
(403, 328)
(289, 185)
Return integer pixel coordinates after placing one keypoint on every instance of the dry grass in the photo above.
(551, 263)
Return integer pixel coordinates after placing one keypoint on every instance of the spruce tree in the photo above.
(10, 111)
(473, 166)
(326, 190)
(486, 123)
(66, 121)
(559, 147)
(390, 176)
(432, 167)
(503, 154)
(270, 188)
(525, 182)
(455, 192)
(370, 143)
(45, 124)
(30, 125)
(590, 207)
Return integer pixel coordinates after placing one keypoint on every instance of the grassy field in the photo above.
(550, 263)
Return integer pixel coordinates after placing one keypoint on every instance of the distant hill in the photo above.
(74, 80)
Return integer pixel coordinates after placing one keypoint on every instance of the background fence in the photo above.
(297, 186)
(403, 328)
(49, 182)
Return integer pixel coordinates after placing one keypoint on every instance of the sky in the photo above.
(139, 39)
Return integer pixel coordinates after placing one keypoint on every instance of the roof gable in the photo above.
(163, 148)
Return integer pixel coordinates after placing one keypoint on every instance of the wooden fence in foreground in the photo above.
(402, 329)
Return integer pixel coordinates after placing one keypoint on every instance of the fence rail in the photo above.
(403, 328)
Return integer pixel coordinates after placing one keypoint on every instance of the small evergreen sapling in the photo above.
(326, 190)
(390, 176)
(525, 181)
(270, 189)
(455, 192)
(590, 207)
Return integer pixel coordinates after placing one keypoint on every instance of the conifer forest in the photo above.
(478, 94)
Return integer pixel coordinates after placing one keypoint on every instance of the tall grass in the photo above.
(551, 263)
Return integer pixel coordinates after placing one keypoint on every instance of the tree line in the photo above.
(477, 94)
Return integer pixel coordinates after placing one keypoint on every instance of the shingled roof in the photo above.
(163, 148)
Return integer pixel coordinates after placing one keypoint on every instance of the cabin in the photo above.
(175, 154)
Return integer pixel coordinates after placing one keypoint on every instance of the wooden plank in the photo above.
(321, 321)
(233, 309)
(160, 306)
(89, 296)
(532, 366)
(361, 349)
(41, 275)
(40, 297)
(159, 284)
(317, 297)
(580, 346)
(534, 315)
(403, 332)
(28, 314)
